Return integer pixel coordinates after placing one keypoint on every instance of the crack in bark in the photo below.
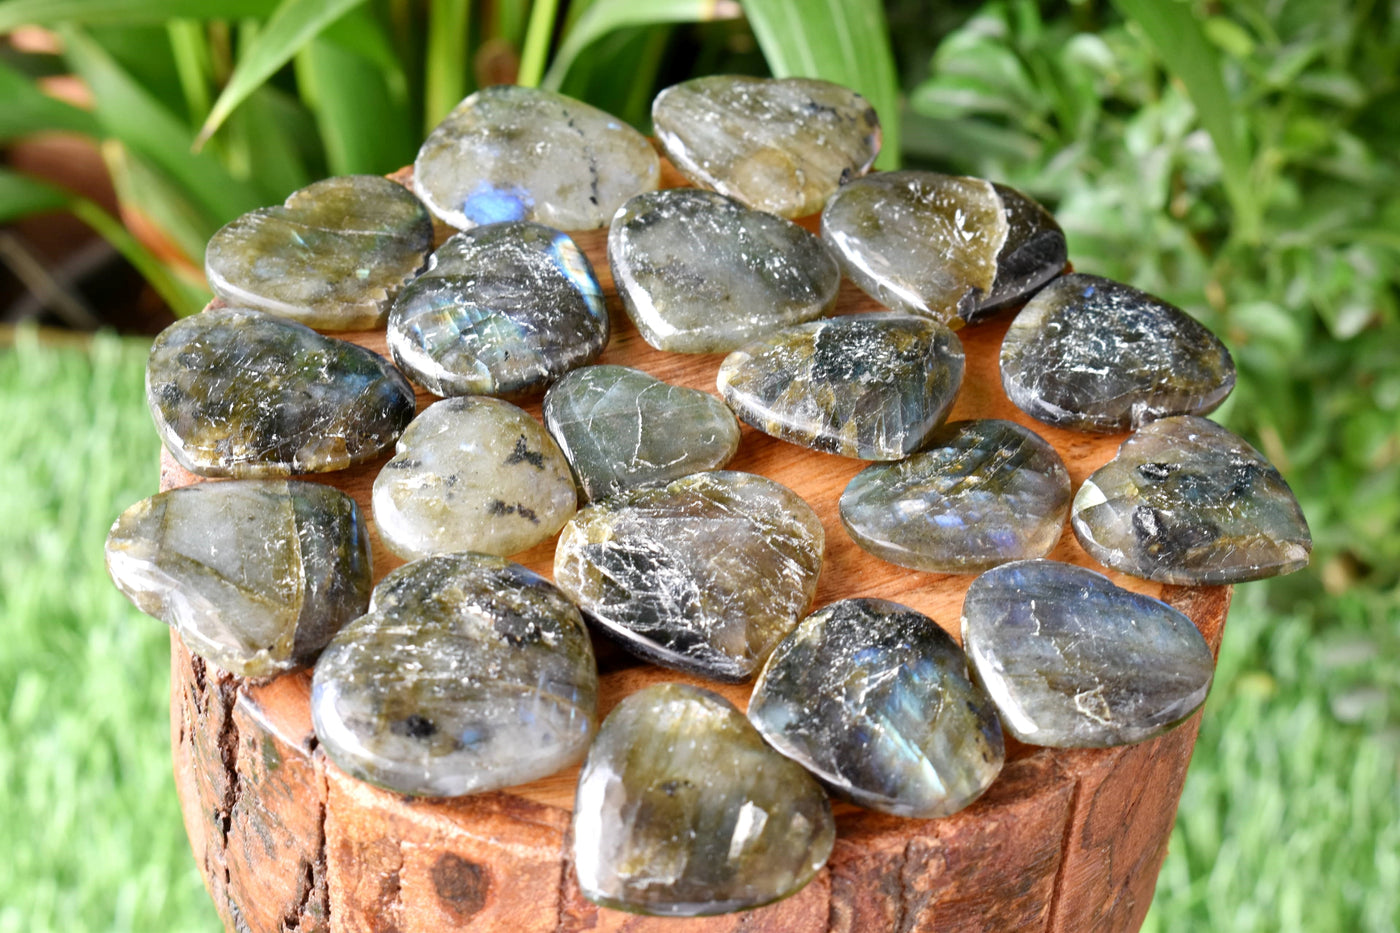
(1066, 841)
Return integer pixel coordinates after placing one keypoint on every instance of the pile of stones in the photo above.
(462, 672)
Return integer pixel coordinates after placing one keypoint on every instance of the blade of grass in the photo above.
(364, 130)
(845, 41)
(25, 109)
(538, 35)
(190, 45)
(1173, 29)
(447, 70)
(124, 12)
(605, 16)
(289, 29)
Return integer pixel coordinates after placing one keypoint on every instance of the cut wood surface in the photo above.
(1063, 840)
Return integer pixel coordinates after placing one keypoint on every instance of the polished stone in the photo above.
(875, 700)
(472, 474)
(255, 576)
(1186, 501)
(503, 309)
(1073, 661)
(332, 257)
(778, 145)
(872, 386)
(240, 393)
(943, 246)
(620, 428)
(978, 494)
(683, 811)
(704, 574)
(1092, 354)
(468, 674)
(700, 273)
(518, 153)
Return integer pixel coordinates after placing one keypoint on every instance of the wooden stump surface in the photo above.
(1064, 840)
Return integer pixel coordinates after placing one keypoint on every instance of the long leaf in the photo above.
(364, 129)
(845, 41)
(144, 189)
(538, 35)
(295, 23)
(447, 71)
(25, 109)
(125, 12)
(606, 16)
(1173, 29)
(21, 196)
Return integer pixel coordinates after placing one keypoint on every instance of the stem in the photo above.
(537, 38)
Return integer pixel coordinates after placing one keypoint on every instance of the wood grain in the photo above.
(1063, 840)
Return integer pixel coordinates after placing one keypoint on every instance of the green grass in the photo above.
(89, 822)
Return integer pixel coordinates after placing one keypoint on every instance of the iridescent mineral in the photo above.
(700, 273)
(1092, 354)
(943, 246)
(778, 145)
(255, 576)
(872, 386)
(978, 494)
(472, 474)
(518, 153)
(333, 256)
(620, 428)
(236, 392)
(704, 574)
(468, 674)
(683, 811)
(1073, 661)
(1186, 501)
(503, 309)
(875, 700)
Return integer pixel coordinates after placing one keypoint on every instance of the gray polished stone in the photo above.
(943, 246)
(1073, 661)
(683, 811)
(979, 493)
(472, 474)
(503, 310)
(875, 700)
(255, 576)
(620, 428)
(872, 386)
(1092, 354)
(332, 257)
(700, 273)
(1186, 501)
(781, 145)
(468, 674)
(236, 392)
(518, 153)
(704, 574)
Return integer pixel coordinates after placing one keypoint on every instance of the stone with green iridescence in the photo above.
(944, 246)
(503, 310)
(871, 386)
(683, 811)
(468, 674)
(704, 574)
(620, 428)
(472, 474)
(1186, 501)
(518, 153)
(254, 575)
(332, 257)
(236, 392)
(781, 145)
(875, 700)
(979, 493)
(1092, 354)
(701, 273)
(1073, 661)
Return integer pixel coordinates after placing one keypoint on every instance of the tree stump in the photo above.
(1064, 840)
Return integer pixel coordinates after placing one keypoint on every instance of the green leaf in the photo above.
(295, 23)
(364, 129)
(1173, 29)
(845, 41)
(538, 34)
(25, 109)
(447, 71)
(21, 196)
(606, 16)
(144, 188)
(92, 12)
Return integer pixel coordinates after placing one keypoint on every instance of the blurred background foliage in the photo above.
(1237, 158)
